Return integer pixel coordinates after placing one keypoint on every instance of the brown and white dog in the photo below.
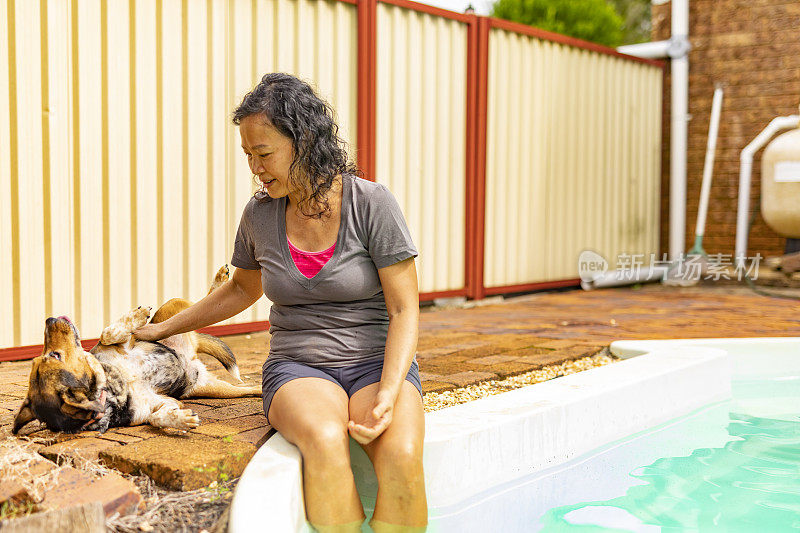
(123, 381)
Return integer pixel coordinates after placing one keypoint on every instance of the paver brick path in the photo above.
(459, 347)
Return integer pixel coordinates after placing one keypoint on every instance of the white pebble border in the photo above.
(433, 401)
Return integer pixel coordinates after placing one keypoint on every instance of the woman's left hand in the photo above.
(376, 421)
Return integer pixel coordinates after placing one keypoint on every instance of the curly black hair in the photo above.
(319, 154)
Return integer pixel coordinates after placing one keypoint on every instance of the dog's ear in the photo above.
(24, 416)
(79, 406)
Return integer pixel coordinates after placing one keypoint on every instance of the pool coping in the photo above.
(635, 348)
(517, 432)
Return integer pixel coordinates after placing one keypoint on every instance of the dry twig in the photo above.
(169, 511)
(17, 458)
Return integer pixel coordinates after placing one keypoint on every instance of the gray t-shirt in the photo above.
(339, 316)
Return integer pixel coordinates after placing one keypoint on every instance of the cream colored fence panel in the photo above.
(128, 189)
(26, 129)
(9, 299)
(198, 256)
(572, 158)
(421, 134)
(219, 235)
(172, 175)
(90, 114)
(145, 158)
(116, 250)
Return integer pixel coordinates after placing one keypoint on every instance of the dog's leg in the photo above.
(120, 331)
(223, 274)
(216, 388)
(170, 415)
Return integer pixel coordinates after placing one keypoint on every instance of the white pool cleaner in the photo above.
(697, 256)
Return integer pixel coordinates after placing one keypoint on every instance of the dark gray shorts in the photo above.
(351, 378)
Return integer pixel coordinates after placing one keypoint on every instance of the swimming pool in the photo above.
(642, 444)
(732, 465)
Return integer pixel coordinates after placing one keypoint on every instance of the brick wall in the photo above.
(752, 47)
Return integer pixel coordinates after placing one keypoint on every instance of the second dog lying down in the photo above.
(123, 381)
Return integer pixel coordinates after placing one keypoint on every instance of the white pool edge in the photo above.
(488, 442)
(629, 349)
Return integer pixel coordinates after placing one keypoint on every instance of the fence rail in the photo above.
(121, 179)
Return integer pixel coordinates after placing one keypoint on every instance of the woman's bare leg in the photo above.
(311, 413)
(396, 454)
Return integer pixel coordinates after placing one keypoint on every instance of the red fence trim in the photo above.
(431, 10)
(366, 57)
(354, 2)
(525, 287)
(565, 39)
(19, 353)
(428, 296)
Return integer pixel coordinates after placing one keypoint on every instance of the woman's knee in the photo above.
(311, 413)
(326, 440)
(400, 461)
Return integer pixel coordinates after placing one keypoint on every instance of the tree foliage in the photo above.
(591, 20)
(636, 16)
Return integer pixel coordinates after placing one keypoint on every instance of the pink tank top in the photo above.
(309, 263)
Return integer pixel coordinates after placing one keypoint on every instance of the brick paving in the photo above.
(462, 346)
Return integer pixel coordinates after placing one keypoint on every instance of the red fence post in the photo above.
(472, 110)
(479, 182)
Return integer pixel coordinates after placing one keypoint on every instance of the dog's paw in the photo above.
(116, 333)
(184, 419)
(223, 275)
(120, 331)
(139, 316)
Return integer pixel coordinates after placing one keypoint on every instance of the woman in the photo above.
(334, 255)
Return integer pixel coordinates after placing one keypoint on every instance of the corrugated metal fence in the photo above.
(573, 154)
(122, 179)
(421, 140)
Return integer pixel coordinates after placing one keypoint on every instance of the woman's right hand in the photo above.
(233, 297)
(150, 332)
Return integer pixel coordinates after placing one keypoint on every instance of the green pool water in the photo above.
(749, 481)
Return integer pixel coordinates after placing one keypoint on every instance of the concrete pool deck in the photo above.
(457, 347)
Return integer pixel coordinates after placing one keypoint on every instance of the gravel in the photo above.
(433, 401)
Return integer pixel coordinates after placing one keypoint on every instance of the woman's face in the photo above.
(269, 154)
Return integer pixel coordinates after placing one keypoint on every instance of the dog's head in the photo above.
(66, 386)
